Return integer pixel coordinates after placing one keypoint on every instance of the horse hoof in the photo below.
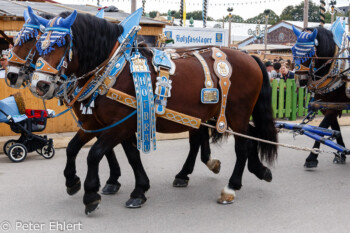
(134, 203)
(110, 189)
(214, 165)
(267, 175)
(227, 196)
(91, 207)
(74, 189)
(339, 160)
(310, 164)
(180, 183)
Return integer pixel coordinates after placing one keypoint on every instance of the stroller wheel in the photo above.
(17, 152)
(47, 151)
(38, 151)
(8, 144)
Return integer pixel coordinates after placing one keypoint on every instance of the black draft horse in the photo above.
(326, 47)
(249, 94)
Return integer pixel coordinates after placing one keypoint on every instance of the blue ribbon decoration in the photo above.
(145, 102)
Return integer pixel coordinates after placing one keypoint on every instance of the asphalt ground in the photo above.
(33, 196)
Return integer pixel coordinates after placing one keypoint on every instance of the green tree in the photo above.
(176, 14)
(287, 13)
(153, 14)
(273, 18)
(196, 15)
(235, 19)
(296, 13)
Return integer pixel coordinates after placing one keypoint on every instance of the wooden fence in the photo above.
(291, 102)
(64, 123)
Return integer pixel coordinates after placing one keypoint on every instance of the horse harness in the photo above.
(105, 75)
(305, 48)
(165, 67)
(329, 82)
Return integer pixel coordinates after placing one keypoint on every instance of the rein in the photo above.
(94, 72)
(101, 129)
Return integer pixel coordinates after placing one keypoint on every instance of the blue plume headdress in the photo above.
(304, 47)
(55, 34)
(49, 39)
(30, 30)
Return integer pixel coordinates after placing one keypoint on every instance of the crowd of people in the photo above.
(278, 70)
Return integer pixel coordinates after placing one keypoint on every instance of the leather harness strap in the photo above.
(223, 71)
(208, 81)
(169, 114)
(93, 76)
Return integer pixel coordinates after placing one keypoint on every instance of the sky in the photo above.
(216, 9)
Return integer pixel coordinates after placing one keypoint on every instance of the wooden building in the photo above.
(11, 21)
(11, 18)
(278, 34)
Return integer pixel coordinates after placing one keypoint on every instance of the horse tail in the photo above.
(263, 119)
(215, 136)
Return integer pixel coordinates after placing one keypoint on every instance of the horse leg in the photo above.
(92, 199)
(198, 138)
(342, 158)
(255, 166)
(311, 160)
(73, 183)
(181, 179)
(213, 164)
(142, 184)
(235, 183)
(112, 185)
(227, 195)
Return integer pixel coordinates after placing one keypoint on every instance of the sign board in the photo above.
(190, 36)
(10, 33)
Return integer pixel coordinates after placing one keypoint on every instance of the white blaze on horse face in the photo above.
(42, 78)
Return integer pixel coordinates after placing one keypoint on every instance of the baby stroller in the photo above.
(25, 122)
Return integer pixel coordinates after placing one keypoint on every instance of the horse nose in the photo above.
(42, 88)
(12, 77)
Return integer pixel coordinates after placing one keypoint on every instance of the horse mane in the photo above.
(47, 16)
(93, 40)
(325, 48)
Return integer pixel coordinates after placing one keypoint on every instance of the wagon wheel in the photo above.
(17, 152)
(8, 144)
(47, 151)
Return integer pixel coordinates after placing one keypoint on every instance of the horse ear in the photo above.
(313, 35)
(68, 22)
(36, 18)
(26, 15)
(101, 14)
(296, 31)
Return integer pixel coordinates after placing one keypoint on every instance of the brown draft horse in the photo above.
(249, 94)
(326, 47)
(20, 74)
